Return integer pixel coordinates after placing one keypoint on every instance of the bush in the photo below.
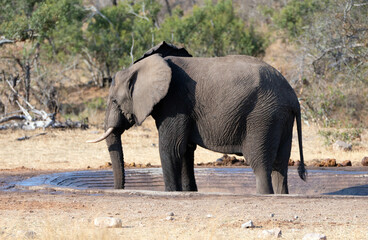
(212, 30)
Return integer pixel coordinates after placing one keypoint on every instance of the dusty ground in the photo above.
(70, 215)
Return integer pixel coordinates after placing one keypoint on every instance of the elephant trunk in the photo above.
(117, 158)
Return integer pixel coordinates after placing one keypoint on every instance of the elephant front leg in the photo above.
(171, 166)
(188, 179)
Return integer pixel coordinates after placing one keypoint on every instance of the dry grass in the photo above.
(67, 149)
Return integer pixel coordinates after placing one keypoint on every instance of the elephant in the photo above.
(233, 104)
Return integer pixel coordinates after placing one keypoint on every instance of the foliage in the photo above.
(347, 135)
(212, 30)
(119, 31)
(55, 25)
(297, 14)
(331, 38)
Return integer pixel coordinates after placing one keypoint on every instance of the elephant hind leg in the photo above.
(261, 160)
(280, 166)
(187, 173)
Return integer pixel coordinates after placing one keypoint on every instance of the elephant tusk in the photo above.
(103, 137)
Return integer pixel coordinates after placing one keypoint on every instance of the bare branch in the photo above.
(95, 11)
(13, 117)
(131, 11)
(131, 49)
(4, 41)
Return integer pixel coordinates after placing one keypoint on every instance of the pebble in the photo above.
(276, 232)
(30, 235)
(169, 218)
(170, 214)
(108, 222)
(365, 161)
(272, 215)
(209, 216)
(248, 224)
(314, 236)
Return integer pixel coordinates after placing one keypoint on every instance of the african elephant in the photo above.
(234, 104)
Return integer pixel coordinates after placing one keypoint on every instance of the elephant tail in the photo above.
(301, 168)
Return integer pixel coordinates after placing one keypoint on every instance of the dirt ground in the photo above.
(53, 214)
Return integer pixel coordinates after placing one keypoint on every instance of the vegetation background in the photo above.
(60, 55)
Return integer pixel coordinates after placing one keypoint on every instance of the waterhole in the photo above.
(220, 180)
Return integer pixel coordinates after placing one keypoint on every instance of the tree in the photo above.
(212, 30)
(41, 32)
(332, 38)
(117, 34)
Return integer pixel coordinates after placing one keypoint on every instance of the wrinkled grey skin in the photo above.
(234, 104)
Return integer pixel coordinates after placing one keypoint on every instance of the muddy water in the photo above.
(223, 180)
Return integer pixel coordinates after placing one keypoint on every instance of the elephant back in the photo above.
(165, 49)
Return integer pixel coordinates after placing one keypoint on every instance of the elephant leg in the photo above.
(260, 149)
(259, 161)
(280, 166)
(173, 149)
(188, 179)
(171, 168)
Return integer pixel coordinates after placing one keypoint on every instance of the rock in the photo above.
(276, 232)
(209, 216)
(330, 162)
(291, 162)
(169, 218)
(248, 224)
(108, 222)
(341, 145)
(365, 161)
(272, 215)
(296, 217)
(219, 160)
(346, 163)
(314, 236)
(30, 235)
(170, 214)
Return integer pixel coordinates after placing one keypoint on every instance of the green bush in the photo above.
(297, 14)
(348, 135)
(212, 30)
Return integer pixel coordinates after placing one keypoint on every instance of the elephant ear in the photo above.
(149, 83)
(165, 49)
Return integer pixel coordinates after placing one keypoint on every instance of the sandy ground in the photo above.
(46, 214)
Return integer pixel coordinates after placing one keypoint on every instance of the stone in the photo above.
(170, 214)
(272, 215)
(108, 222)
(314, 236)
(365, 161)
(329, 162)
(341, 145)
(30, 235)
(346, 163)
(169, 218)
(248, 224)
(276, 232)
(209, 216)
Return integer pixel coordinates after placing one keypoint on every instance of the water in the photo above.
(224, 180)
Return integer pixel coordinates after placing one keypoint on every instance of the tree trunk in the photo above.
(27, 80)
(168, 7)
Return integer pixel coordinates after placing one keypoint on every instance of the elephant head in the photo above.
(133, 94)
